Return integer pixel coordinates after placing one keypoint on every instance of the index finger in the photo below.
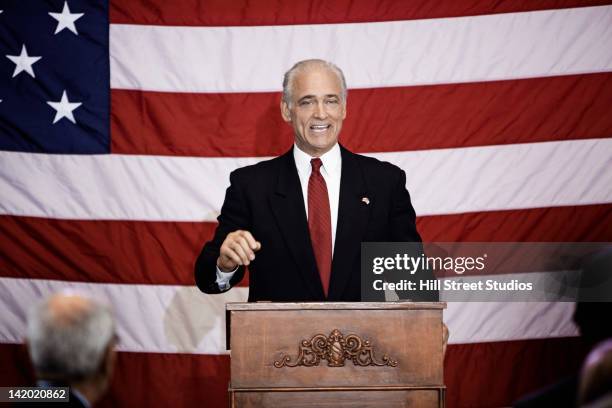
(253, 244)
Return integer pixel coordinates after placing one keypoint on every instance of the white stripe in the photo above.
(479, 322)
(431, 51)
(542, 319)
(171, 319)
(150, 318)
(166, 188)
(114, 186)
(507, 177)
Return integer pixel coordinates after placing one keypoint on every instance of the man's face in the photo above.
(316, 111)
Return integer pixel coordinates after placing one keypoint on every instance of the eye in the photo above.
(332, 101)
(305, 102)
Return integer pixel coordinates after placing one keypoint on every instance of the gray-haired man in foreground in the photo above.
(71, 341)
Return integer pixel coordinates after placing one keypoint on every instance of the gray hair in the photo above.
(68, 337)
(300, 66)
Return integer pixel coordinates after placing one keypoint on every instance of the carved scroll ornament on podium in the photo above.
(335, 349)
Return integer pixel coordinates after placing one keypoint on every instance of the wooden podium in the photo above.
(336, 354)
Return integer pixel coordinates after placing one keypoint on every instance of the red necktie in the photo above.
(319, 223)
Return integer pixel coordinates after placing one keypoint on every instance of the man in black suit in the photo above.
(71, 341)
(298, 220)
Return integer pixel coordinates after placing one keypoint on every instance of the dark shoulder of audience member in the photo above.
(594, 306)
(592, 317)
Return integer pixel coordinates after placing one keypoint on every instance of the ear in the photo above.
(108, 363)
(285, 111)
(344, 111)
(104, 376)
(26, 346)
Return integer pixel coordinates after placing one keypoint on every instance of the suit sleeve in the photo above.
(403, 229)
(235, 215)
(403, 216)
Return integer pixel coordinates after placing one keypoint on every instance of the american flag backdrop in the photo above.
(117, 141)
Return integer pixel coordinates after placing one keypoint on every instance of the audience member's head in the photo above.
(71, 341)
(596, 375)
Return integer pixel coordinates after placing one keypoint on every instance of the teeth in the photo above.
(319, 127)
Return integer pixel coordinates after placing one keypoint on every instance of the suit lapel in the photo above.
(288, 207)
(353, 216)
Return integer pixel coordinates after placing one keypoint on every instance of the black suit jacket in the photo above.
(266, 199)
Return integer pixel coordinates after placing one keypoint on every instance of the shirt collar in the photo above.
(81, 397)
(331, 160)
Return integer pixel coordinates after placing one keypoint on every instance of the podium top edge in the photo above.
(334, 305)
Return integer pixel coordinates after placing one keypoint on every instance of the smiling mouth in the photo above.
(319, 128)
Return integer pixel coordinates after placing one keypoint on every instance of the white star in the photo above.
(65, 19)
(64, 108)
(23, 62)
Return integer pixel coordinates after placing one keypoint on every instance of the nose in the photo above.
(320, 112)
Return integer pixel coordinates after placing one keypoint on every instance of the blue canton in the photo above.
(54, 76)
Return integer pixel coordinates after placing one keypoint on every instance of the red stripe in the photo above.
(378, 120)
(169, 380)
(164, 252)
(557, 224)
(273, 12)
(506, 370)
(143, 379)
(103, 251)
(497, 374)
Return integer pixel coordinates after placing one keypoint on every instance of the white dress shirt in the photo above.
(331, 170)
